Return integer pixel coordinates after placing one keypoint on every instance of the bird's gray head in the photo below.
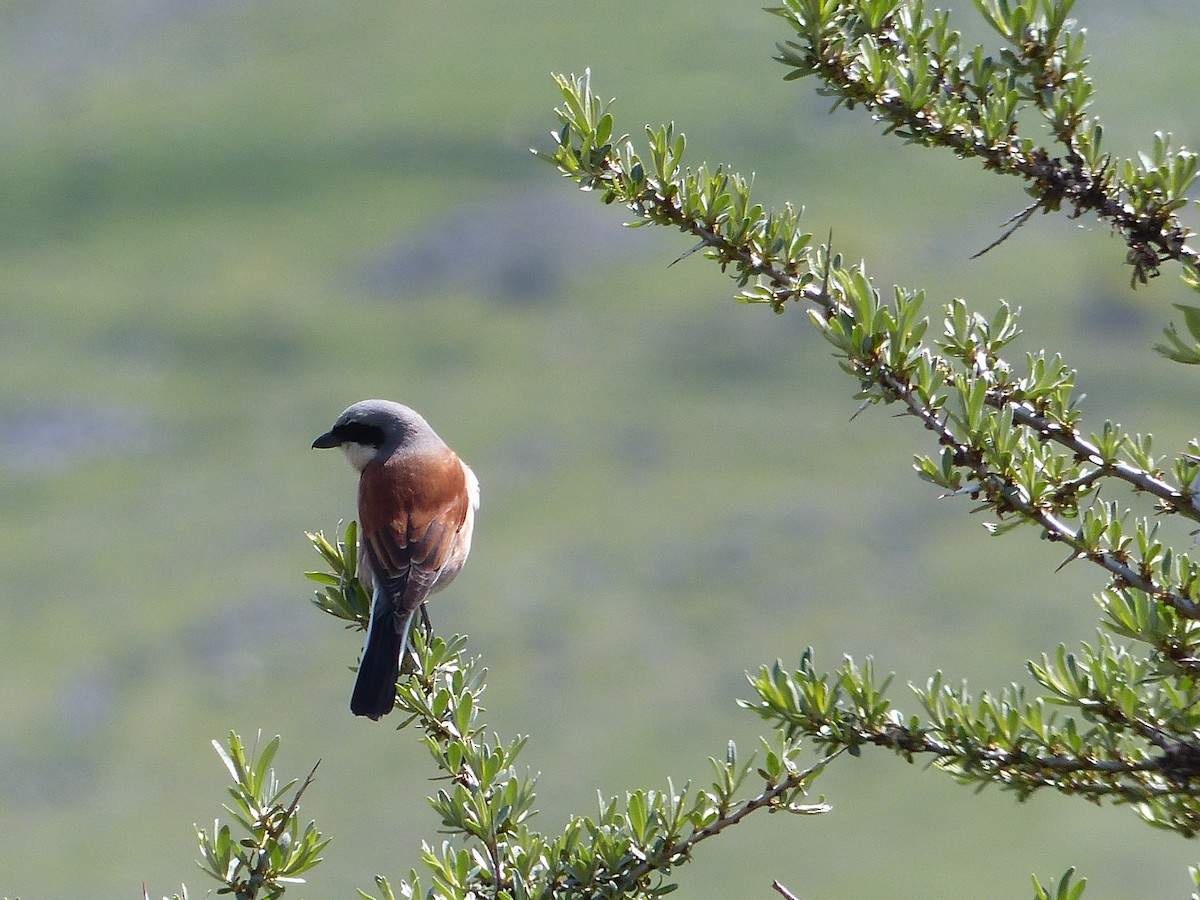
(373, 428)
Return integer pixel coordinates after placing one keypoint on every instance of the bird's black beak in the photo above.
(325, 441)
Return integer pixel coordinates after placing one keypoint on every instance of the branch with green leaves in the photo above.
(1122, 747)
(626, 850)
(908, 67)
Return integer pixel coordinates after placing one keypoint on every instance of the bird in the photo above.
(416, 514)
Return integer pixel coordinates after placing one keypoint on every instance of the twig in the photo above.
(291, 810)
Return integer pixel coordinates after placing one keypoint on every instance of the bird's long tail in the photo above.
(375, 688)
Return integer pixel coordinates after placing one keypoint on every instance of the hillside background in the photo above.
(223, 222)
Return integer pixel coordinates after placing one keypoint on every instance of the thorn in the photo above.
(864, 405)
(787, 895)
(1066, 562)
(969, 488)
(687, 253)
(1020, 219)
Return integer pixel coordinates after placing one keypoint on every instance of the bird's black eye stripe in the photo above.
(359, 433)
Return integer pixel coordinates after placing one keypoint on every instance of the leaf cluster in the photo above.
(342, 595)
(276, 850)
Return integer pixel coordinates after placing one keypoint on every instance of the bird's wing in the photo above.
(410, 510)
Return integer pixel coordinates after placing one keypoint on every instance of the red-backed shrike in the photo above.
(416, 511)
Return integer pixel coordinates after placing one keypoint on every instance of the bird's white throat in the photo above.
(359, 454)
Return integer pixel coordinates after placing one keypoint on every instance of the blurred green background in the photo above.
(223, 222)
